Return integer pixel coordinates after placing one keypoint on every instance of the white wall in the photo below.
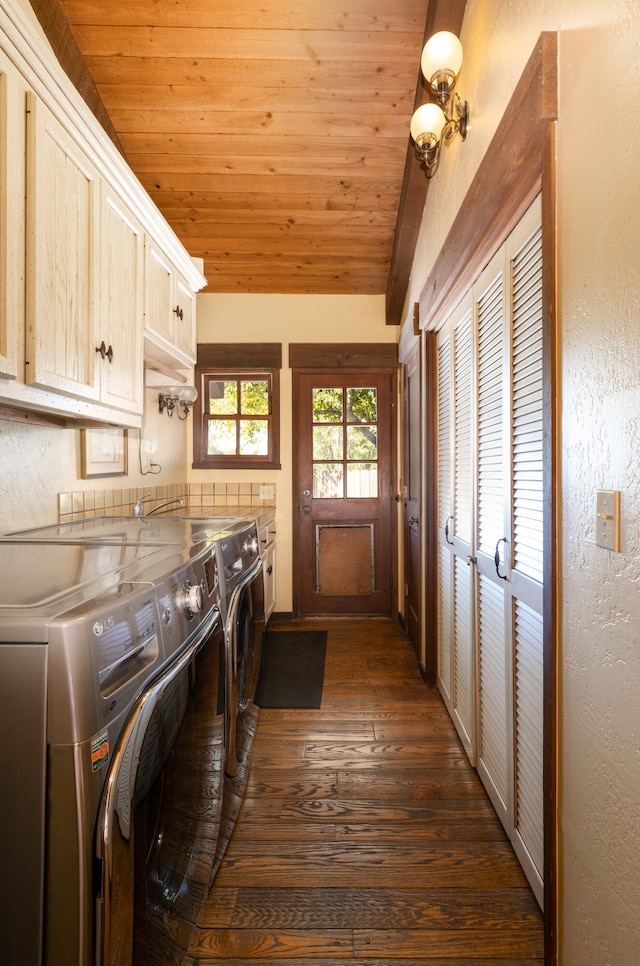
(286, 319)
(599, 381)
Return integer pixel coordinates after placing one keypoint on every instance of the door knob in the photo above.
(306, 509)
(412, 520)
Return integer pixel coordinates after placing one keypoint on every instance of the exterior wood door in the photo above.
(344, 499)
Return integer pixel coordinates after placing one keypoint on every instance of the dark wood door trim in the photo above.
(345, 355)
(519, 163)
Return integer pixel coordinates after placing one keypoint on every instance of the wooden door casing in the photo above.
(411, 497)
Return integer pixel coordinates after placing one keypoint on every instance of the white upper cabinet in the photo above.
(92, 278)
(120, 305)
(169, 310)
(62, 246)
(84, 274)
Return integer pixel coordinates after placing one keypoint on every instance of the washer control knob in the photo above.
(192, 598)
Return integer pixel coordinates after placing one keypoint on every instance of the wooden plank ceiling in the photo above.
(272, 134)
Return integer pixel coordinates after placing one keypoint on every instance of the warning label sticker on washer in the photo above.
(99, 750)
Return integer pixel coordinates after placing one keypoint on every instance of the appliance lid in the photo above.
(49, 575)
(141, 531)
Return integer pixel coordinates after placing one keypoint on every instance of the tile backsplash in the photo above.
(80, 504)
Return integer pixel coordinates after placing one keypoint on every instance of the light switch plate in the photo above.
(608, 519)
(266, 491)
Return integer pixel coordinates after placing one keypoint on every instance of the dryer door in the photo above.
(160, 816)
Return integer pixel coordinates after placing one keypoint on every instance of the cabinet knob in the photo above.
(104, 352)
(179, 312)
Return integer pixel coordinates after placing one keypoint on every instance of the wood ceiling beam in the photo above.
(441, 15)
(56, 28)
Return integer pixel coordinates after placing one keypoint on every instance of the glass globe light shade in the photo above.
(427, 124)
(189, 394)
(442, 55)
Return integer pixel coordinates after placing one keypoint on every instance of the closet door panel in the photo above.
(445, 519)
(445, 625)
(463, 658)
(494, 740)
(464, 677)
(494, 665)
(524, 251)
(490, 533)
(528, 826)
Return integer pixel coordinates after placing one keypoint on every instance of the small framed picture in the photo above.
(103, 452)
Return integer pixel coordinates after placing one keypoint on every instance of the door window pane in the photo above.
(327, 443)
(362, 480)
(328, 481)
(362, 442)
(327, 405)
(362, 405)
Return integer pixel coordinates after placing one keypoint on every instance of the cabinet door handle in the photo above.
(104, 352)
(269, 570)
(179, 312)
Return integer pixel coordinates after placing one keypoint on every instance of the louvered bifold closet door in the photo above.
(525, 585)
(456, 657)
(495, 746)
(445, 518)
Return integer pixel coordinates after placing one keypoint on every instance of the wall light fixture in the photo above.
(178, 399)
(431, 125)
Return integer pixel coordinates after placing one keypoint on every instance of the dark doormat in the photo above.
(292, 669)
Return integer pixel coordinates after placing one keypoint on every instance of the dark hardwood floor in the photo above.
(365, 837)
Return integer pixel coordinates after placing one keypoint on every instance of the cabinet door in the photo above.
(11, 213)
(62, 205)
(185, 319)
(120, 316)
(159, 317)
(269, 564)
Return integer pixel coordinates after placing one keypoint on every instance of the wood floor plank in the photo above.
(380, 909)
(365, 838)
(405, 944)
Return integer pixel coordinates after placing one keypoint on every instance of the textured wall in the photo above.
(599, 358)
(37, 463)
